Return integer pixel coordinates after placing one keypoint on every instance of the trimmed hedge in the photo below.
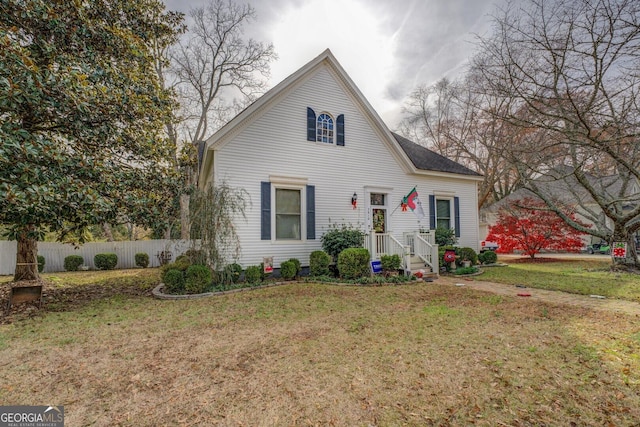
(488, 257)
(173, 281)
(142, 259)
(390, 262)
(106, 261)
(40, 263)
(297, 264)
(72, 262)
(253, 274)
(353, 263)
(197, 279)
(319, 263)
(288, 270)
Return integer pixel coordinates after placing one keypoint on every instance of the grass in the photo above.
(318, 354)
(584, 277)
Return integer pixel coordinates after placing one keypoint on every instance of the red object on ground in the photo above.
(524, 294)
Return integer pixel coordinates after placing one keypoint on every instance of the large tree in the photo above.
(570, 69)
(82, 115)
(454, 118)
(217, 70)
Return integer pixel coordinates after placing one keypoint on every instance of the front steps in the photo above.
(416, 264)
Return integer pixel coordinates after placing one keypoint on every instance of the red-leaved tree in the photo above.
(529, 226)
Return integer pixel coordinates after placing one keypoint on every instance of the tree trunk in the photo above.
(185, 224)
(106, 227)
(27, 256)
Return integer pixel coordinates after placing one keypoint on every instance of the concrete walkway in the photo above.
(556, 297)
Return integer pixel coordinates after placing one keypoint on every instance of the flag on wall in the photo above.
(413, 202)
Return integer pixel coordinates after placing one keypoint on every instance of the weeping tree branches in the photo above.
(214, 211)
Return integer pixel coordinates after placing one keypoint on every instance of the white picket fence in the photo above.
(55, 253)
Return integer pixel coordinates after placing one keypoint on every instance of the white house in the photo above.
(310, 146)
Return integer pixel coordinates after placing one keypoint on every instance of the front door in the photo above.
(379, 219)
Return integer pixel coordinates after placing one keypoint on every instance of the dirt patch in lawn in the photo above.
(73, 290)
(314, 354)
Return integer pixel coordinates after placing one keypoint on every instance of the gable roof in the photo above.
(427, 160)
(413, 160)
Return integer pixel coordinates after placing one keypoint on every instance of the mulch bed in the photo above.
(542, 260)
(56, 298)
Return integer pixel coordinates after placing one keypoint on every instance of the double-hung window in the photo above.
(288, 214)
(287, 209)
(443, 213)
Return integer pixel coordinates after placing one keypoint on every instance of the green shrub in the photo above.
(445, 236)
(337, 239)
(106, 261)
(353, 263)
(296, 262)
(232, 272)
(390, 262)
(197, 279)
(173, 281)
(319, 263)
(253, 274)
(142, 259)
(72, 262)
(181, 264)
(488, 257)
(288, 270)
(467, 254)
(40, 263)
(465, 270)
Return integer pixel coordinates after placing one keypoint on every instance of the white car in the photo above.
(488, 246)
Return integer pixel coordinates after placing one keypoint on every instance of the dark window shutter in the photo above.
(265, 210)
(340, 126)
(311, 212)
(456, 212)
(432, 212)
(311, 125)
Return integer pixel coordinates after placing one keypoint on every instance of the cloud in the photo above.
(387, 47)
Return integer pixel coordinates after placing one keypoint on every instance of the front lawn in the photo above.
(319, 354)
(584, 277)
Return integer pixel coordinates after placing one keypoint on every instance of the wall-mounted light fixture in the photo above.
(354, 200)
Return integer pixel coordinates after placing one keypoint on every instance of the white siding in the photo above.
(275, 144)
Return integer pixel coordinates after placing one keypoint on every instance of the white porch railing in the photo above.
(427, 251)
(380, 244)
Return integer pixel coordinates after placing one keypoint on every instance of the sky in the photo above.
(388, 47)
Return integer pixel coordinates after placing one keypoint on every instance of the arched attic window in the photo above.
(324, 128)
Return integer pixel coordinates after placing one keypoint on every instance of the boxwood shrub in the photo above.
(142, 259)
(197, 279)
(319, 263)
(173, 281)
(72, 262)
(288, 270)
(106, 261)
(233, 272)
(253, 274)
(488, 257)
(353, 263)
(40, 263)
